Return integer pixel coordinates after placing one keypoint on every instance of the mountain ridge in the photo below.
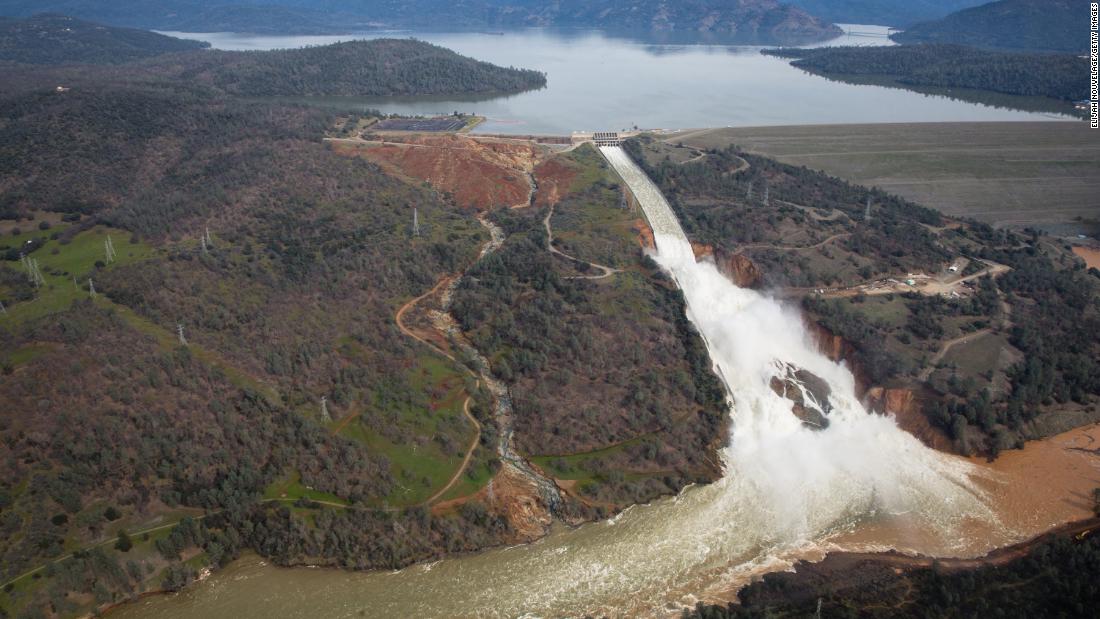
(759, 19)
(1031, 25)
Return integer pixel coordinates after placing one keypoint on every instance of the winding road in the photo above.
(606, 271)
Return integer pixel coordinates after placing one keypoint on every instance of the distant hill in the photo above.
(56, 39)
(747, 19)
(897, 13)
(1058, 76)
(1037, 25)
(750, 19)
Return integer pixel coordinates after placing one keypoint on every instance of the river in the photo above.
(788, 492)
(602, 81)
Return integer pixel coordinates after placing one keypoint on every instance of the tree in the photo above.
(124, 543)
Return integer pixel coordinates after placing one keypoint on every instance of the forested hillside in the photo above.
(205, 272)
(1059, 76)
(55, 39)
(611, 386)
(896, 13)
(1031, 25)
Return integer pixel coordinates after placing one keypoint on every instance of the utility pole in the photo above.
(767, 193)
(416, 222)
(867, 210)
(202, 240)
(179, 330)
(324, 410)
(748, 192)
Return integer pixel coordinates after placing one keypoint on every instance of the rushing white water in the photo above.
(787, 489)
(800, 482)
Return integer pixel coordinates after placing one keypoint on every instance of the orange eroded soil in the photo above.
(554, 178)
(1045, 485)
(479, 174)
(1090, 255)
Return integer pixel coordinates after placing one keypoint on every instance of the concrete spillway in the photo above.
(657, 210)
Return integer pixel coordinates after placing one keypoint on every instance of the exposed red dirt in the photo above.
(554, 180)
(478, 174)
(1090, 255)
(516, 498)
(645, 235)
(905, 406)
(740, 269)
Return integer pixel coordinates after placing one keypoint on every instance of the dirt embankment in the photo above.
(1091, 255)
(479, 174)
(906, 407)
(555, 179)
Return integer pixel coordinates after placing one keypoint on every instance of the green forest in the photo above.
(1058, 76)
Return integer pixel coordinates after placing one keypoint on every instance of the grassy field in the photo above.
(67, 266)
(1008, 174)
(421, 468)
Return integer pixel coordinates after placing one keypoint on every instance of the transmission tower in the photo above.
(3, 311)
(416, 222)
(202, 240)
(867, 210)
(748, 192)
(33, 272)
(209, 239)
(324, 410)
(109, 249)
(91, 288)
(179, 330)
(767, 193)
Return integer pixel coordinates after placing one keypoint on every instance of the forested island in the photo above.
(379, 67)
(1057, 76)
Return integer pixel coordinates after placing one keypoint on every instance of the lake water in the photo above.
(597, 80)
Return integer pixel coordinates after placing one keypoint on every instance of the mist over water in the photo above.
(786, 491)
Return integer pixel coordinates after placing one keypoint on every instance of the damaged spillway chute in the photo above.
(818, 457)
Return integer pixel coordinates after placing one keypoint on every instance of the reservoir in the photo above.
(601, 81)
